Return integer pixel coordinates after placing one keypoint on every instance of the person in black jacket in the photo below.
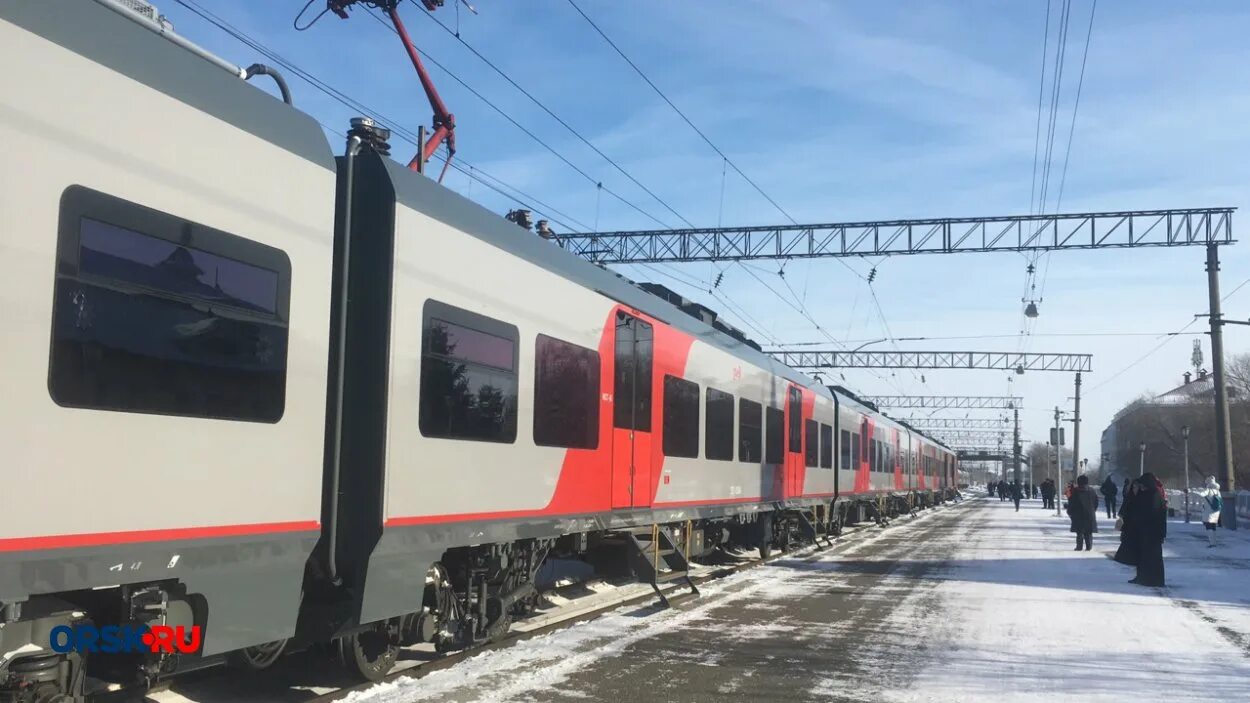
(1048, 494)
(1149, 510)
(1083, 510)
(1109, 491)
(1130, 528)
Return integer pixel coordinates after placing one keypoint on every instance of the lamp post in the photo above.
(1142, 448)
(1185, 436)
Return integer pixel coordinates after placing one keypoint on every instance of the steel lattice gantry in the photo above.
(1028, 233)
(981, 438)
(985, 454)
(932, 402)
(937, 424)
(830, 359)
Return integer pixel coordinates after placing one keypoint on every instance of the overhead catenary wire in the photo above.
(542, 106)
(525, 130)
(472, 172)
(525, 200)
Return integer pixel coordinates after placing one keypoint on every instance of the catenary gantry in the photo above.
(1031, 233)
(1012, 361)
(934, 402)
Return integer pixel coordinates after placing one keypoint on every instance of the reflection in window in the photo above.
(719, 428)
(146, 324)
(681, 417)
(566, 394)
(633, 358)
(796, 420)
(774, 444)
(468, 380)
(826, 446)
(844, 451)
(750, 425)
(811, 449)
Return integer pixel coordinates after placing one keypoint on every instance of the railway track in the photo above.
(305, 678)
(849, 537)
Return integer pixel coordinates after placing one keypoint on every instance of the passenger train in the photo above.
(294, 398)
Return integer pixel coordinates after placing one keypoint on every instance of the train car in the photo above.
(166, 287)
(274, 397)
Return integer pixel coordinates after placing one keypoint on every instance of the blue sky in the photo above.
(847, 111)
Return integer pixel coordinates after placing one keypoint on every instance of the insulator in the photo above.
(719, 277)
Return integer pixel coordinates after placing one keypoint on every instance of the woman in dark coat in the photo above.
(1130, 527)
(1151, 509)
(1083, 510)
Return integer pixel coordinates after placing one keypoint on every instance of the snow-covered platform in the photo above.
(974, 602)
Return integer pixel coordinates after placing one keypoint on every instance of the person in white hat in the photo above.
(1211, 518)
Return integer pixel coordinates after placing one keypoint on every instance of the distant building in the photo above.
(1120, 447)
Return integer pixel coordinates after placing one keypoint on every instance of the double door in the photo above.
(632, 416)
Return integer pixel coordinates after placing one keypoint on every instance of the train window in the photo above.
(811, 432)
(156, 314)
(718, 442)
(566, 394)
(681, 417)
(855, 451)
(796, 420)
(774, 445)
(632, 390)
(844, 451)
(872, 455)
(750, 424)
(468, 376)
(826, 446)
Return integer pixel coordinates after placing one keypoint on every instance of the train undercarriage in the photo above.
(471, 597)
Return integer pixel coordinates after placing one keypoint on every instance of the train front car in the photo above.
(166, 274)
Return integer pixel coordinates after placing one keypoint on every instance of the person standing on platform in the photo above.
(1129, 528)
(1215, 505)
(1017, 492)
(1083, 511)
(1048, 494)
(1149, 508)
(1109, 491)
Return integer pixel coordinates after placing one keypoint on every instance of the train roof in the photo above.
(433, 200)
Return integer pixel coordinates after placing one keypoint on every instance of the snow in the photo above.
(1027, 619)
(545, 662)
(997, 608)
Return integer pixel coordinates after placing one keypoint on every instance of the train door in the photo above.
(794, 467)
(631, 422)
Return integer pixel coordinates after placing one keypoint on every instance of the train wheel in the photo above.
(258, 658)
(369, 654)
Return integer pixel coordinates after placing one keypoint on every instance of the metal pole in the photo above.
(1142, 467)
(1015, 443)
(1223, 440)
(1186, 475)
(1076, 426)
(1058, 464)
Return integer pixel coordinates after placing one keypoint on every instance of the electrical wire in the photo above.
(1037, 129)
(538, 140)
(527, 201)
(642, 74)
(474, 173)
(542, 106)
